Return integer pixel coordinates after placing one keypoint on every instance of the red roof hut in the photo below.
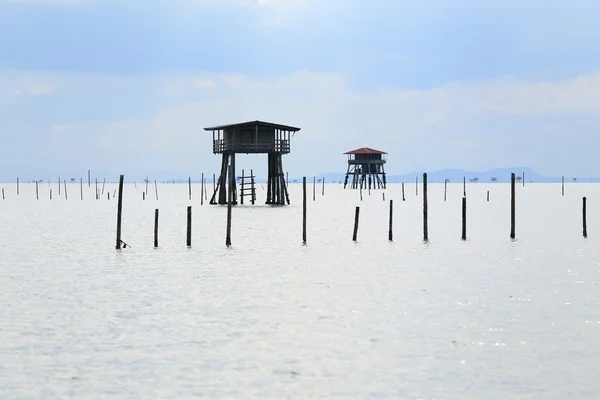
(366, 167)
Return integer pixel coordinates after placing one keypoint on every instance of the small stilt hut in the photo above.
(366, 168)
(253, 137)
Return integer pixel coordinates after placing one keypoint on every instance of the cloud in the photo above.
(60, 128)
(51, 2)
(34, 89)
(141, 123)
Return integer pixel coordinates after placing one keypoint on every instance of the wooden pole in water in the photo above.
(190, 188)
(464, 186)
(584, 212)
(252, 189)
(303, 210)
(2, 193)
(488, 195)
(156, 228)
(314, 188)
(96, 188)
(202, 191)
(403, 198)
(50, 194)
(390, 234)
(425, 210)
(156, 189)
(383, 195)
(229, 201)
(360, 190)
(17, 185)
(214, 184)
(188, 240)
(119, 210)
(523, 179)
(81, 185)
(356, 214)
(242, 189)
(416, 185)
(58, 183)
(563, 185)
(89, 178)
(147, 180)
(103, 184)
(323, 189)
(445, 188)
(287, 178)
(464, 218)
(65, 183)
(512, 205)
(36, 190)
(143, 195)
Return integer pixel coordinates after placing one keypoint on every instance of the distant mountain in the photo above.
(457, 175)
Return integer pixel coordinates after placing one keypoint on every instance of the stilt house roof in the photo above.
(253, 124)
(365, 150)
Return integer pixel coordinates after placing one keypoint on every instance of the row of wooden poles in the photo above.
(119, 241)
(426, 210)
(204, 193)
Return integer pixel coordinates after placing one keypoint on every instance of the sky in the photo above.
(127, 86)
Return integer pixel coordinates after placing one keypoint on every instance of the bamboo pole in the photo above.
(304, 210)
(584, 214)
(188, 239)
(356, 217)
(464, 218)
(512, 205)
(156, 228)
(119, 210)
(425, 210)
(390, 234)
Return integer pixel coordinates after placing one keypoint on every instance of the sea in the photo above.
(271, 317)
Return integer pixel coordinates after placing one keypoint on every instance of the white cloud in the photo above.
(462, 124)
(34, 89)
(52, 2)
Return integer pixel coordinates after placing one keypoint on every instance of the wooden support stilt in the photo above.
(252, 188)
(242, 188)
(81, 183)
(229, 206)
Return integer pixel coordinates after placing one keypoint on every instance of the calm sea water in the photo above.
(488, 318)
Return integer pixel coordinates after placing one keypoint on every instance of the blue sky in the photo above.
(127, 86)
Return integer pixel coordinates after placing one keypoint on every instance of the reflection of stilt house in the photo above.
(254, 137)
(365, 168)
